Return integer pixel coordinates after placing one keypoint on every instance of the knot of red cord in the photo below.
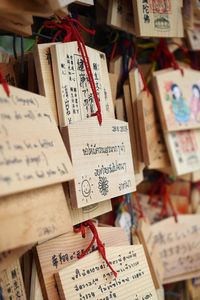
(95, 238)
(4, 84)
(70, 28)
(160, 189)
(165, 57)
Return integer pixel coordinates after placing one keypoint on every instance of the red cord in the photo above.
(4, 84)
(68, 26)
(100, 245)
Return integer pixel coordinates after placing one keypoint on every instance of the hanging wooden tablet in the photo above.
(8, 257)
(136, 86)
(132, 282)
(37, 9)
(178, 245)
(184, 150)
(155, 265)
(11, 26)
(79, 215)
(178, 98)
(138, 166)
(29, 158)
(11, 283)
(102, 161)
(113, 84)
(193, 36)
(158, 18)
(56, 254)
(120, 109)
(153, 147)
(193, 288)
(188, 14)
(120, 15)
(73, 92)
(35, 290)
(44, 72)
(39, 216)
(32, 79)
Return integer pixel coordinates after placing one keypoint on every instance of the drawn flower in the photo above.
(103, 185)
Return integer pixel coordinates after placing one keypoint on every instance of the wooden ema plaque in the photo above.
(44, 72)
(11, 283)
(178, 99)
(178, 245)
(155, 265)
(138, 165)
(153, 147)
(29, 157)
(35, 288)
(158, 18)
(73, 92)
(102, 161)
(56, 254)
(136, 87)
(9, 256)
(120, 15)
(90, 277)
(184, 150)
(39, 216)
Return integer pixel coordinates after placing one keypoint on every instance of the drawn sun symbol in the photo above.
(103, 186)
(85, 188)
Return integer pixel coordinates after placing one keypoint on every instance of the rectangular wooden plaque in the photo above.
(44, 72)
(120, 15)
(184, 150)
(102, 160)
(56, 254)
(153, 146)
(158, 18)
(178, 99)
(178, 246)
(32, 153)
(90, 277)
(73, 91)
(11, 282)
(33, 216)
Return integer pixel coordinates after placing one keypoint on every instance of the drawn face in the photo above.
(86, 188)
(176, 92)
(196, 93)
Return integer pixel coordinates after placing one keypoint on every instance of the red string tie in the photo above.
(100, 245)
(71, 29)
(4, 84)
